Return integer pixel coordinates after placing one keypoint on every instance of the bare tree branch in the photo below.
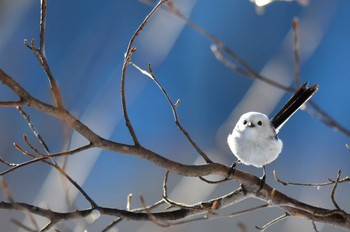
(41, 56)
(127, 58)
(291, 206)
(173, 106)
(178, 212)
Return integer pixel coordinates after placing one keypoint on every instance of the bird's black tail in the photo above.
(302, 95)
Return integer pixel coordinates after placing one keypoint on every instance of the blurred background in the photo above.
(85, 46)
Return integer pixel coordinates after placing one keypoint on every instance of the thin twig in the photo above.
(34, 149)
(128, 202)
(7, 163)
(75, 184)
(189, 220)
(244, 211)
(165, 195)
(173, 106)
(112, 224)
(43, 12)
(41, 158)
(284, 216)
(6, 191)
(165, 187)
(153, 218)
(127, 58)
(231, 172)
(330, 182)
(27, 153)
(296, 47)
(314, 226)
(33, 129)
(41, 56)
(220, 57)
(333, 190)
(213, 181)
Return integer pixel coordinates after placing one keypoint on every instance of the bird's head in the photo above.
(254, 123)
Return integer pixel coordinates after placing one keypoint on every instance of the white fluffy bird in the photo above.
(254, 139)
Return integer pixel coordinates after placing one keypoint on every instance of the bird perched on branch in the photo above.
(254, 139)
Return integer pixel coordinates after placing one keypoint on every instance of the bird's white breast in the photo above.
(256, 145)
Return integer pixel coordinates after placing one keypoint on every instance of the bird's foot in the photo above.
(261, 183)
(262, 179)
(232, 169)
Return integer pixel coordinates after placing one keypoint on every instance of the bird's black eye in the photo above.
(259, 123)
(244, 122)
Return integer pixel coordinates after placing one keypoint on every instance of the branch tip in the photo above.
(334, 189)
(128, 202)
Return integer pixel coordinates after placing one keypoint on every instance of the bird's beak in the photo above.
(250, 124)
